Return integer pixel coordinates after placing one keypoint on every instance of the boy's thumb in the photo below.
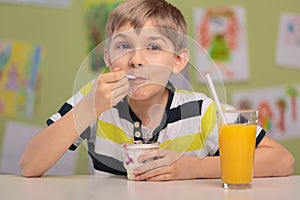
(116, 69)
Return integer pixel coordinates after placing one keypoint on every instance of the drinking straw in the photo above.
(215, 96)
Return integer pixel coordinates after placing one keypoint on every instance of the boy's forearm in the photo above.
(208, 167)
(273, 162)
(46, 148)
(272, 159)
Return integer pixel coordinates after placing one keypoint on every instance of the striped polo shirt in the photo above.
(188, 126)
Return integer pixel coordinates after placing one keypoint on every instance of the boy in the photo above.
(145, 41)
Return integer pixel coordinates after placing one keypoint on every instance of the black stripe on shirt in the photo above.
(65, 108)
(49, 122)
(186, 110)
(62, 111)
(260, 137)
(106, 163)
(72, 147)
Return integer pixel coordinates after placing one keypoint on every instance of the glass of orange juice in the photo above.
(237, 138)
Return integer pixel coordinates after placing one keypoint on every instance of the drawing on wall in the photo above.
(221, 32)
(278, 108)
(59, 3)
(288, 42)
(19, 64)
(96, 14)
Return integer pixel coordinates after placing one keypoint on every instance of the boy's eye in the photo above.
(154, 47)
(123, 46)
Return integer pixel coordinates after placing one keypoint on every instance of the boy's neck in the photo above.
(150, 111)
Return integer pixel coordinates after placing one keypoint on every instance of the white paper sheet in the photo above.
(16, 137)
(278, 109)
(288, 44)
(222, 32)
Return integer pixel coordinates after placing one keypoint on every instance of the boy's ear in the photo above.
(107, 59)
(181, 60)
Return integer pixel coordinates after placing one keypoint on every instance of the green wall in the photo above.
(61, 32)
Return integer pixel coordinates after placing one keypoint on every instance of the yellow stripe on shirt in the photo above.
(112, 132)
(183, 91)
(186, 143)
(209, 120)
(196, 141)
(86, 89)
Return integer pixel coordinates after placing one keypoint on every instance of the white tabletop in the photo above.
(114, 187)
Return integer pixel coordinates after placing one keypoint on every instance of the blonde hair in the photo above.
(137, 12)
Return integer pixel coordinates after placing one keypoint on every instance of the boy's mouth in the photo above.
(130, 77)
(135, 78)
(139, 78)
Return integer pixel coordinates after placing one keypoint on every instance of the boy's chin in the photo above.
(145, 91)
(138, 96)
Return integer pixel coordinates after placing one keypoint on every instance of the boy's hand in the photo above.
(108, 89)
(168, 165)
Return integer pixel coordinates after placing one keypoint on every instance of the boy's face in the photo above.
(144, 53)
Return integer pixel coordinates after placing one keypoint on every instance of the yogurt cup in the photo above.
(131, 152)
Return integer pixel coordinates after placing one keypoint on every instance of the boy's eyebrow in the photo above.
(125, 36)
(158, 38)
(121, 35)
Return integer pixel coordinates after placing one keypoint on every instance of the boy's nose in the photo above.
(137, 59)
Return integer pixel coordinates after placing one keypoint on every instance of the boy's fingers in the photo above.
(152, 154)
(113, 76)
(152, 165)
(116, 69)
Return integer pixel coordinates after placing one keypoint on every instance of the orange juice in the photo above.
(237, 144)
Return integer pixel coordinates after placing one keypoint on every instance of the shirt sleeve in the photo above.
(66, 107)
(260, 134)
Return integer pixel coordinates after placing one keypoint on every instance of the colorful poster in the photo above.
(96, 13)
(288, 43)
(19, 64)
(278, 108)
(57, 3)
(221, 32)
